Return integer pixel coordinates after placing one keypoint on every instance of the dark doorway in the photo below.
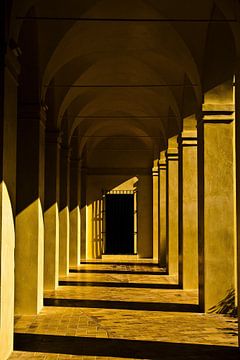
(119, 224)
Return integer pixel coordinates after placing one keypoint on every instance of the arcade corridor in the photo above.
(104, 311)
(120, 97)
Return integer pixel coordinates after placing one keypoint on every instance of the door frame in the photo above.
(135, 214)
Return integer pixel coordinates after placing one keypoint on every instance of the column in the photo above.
(74, 247)
(9, 70)
(51, 212)
(155, 180)
(188, 207)
(237, 162)
(29, 219)
(172, 206)
(216, 205)
(64, 222)
(163, 209)
(83, 202)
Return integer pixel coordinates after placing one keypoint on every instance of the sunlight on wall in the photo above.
(29, 257)
(51, 248)
(95, 220)
(7, 243)
(64, 223)
(75, 229)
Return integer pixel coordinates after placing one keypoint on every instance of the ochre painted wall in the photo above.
(95, 185)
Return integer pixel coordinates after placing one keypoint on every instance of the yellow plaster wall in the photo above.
(95, 185)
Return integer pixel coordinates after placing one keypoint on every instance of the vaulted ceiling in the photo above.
(132, 68)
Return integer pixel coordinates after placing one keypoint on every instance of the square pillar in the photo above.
(155, 184)
(237, 162)
(51, 212)
(29, 219)
(64, 222)
(83, 211)
(172, 207)
(216, 185)
(188, 210)
(163, 210)
(74, 247)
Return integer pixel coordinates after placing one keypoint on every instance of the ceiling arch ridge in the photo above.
(67, 75)
(91, 58)
(172, 49)
(21, 8)
(98, 132)
(147, 102)
(127, 117)
(138, 109)
(140, 120)
(70, 114)
(73, 93)
(126, 122)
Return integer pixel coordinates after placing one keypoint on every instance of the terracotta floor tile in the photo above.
(129, 312)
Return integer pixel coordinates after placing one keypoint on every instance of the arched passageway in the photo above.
(135, 98)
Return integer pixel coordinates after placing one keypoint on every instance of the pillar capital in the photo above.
(190, 123)
(216, 114)
(66, 151)
(155, 168)
(162, 167)
(162, 161)
(155, 171)
(172, 155)
(76, 162)
(188, 138)
(172, 151)
(53, 137)
(33, 112)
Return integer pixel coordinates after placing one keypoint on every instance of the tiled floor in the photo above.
(106, 311)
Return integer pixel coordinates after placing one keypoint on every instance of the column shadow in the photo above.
(128, 272)
(122, 263)
(123, 305)
(119, 284)
(135, 349)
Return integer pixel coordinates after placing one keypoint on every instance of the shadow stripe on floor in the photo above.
(124, 305)
(127, 272)
(98, 263)
(120, 347)
(118, 284)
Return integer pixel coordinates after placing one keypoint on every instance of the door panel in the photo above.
(119, 224)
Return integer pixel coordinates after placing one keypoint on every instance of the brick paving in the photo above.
(133, 315)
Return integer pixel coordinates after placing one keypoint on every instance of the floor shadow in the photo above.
(118, 285)
(227, 305)
(135, 349)
(128, 272)
(122, 263)
(123, 305)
